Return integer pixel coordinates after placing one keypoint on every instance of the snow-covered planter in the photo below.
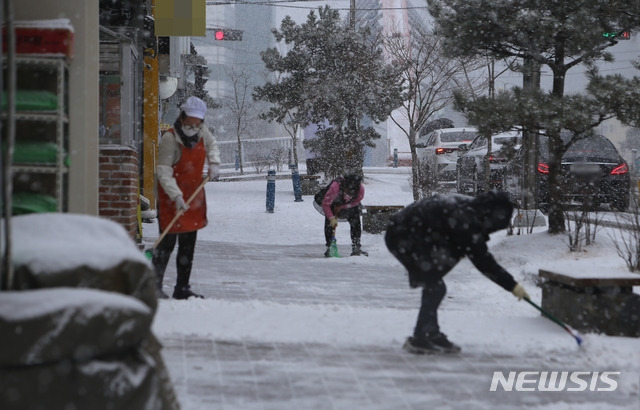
(76, 327)
(79, 251)
(597, 300)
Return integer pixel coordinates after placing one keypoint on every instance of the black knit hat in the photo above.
(495, 208)
(352, 181)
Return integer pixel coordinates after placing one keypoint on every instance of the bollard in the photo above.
(295, 178)
(395, 157)
(271, 190)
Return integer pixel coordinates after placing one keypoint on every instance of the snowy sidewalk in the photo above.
(222, 373)
(284, 328)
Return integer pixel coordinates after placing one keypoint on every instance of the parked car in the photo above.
(592, 172)
(438, 151)
(471, 164)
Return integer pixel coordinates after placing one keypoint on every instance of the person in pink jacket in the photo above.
(342, 201)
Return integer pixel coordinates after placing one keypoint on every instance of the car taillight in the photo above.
(620, 169)
(440, 151)
(543, 168)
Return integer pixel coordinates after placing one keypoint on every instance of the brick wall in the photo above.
(118, 192)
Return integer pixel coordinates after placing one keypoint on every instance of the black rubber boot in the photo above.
(160, 293)
(356, 250)
(159, 271)
(185, 292)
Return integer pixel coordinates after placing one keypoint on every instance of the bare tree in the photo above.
(285, 112)
(430, 81)
(627, 237)
(241, 106)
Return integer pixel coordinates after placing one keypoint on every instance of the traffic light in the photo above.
(221, 34)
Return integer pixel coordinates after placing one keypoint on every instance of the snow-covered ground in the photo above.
(477, 314)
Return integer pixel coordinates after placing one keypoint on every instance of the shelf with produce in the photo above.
(40, 161)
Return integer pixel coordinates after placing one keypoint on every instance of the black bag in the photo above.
(319, 196)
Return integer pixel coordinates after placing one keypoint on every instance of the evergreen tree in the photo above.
(332, 74)
(559, 35)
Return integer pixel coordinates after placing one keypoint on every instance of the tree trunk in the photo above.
(531, 84)
(556, 209)
(487, 165)
(239, 153)
(294, 144)
(238, 126)
(415, 165)
(556, 150)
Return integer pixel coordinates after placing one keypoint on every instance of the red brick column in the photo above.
(118, 191)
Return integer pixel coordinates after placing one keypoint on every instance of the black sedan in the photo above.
(592, 173)
(471, 165)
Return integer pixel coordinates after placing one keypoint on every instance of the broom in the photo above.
(149, 252)
(557, 322)
(333, 248)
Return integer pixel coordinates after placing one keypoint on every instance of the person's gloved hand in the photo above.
(333, 222)
(519, 292)
(214, 171)
(180, 204)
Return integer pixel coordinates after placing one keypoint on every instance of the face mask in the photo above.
(190, 130)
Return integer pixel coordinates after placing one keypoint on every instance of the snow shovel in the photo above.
(556, 321)
(333, 248)
(149, 252)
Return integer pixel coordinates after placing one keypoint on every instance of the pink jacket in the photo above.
(347, 201)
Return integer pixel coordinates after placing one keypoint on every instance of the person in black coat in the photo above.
(429, 237)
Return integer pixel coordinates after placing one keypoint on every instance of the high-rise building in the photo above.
(236, 35)
(251, 24)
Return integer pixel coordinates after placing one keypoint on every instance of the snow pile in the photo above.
(51, 242)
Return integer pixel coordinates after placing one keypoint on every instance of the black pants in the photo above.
(415, 259)
(432, 295)
(184, 258)
(352, 215)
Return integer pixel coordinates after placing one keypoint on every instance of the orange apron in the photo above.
(188, 175)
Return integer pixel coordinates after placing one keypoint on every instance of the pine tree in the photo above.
(559, 35)
(330, 74)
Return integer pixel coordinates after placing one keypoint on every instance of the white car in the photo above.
(439, 150)
(472, 162)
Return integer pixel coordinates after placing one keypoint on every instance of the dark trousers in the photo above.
(352, 215)
(432, 295)
(417, 260)
(184, 258)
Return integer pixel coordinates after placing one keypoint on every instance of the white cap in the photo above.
(194, 107)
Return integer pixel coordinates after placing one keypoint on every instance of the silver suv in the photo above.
(439, 150)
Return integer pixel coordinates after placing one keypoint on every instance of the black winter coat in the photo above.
(429, 237)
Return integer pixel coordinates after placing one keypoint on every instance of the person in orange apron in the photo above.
(183, 152)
